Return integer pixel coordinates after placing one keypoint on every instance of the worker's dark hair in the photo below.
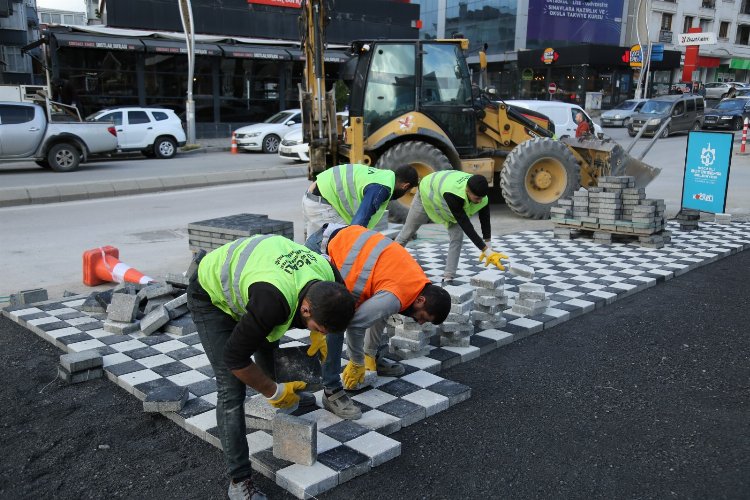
(331, 305)
(437, 302)
(478, 185)
(407, 173)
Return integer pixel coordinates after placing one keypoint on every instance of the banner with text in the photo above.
(594, 21)
(707, 162)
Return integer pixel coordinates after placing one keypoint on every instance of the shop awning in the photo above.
(177, 47)
(708, 62)
(255, 52)
(737, 63)
(87, 41)
(331, 56)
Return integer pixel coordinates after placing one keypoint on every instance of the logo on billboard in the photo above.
(549, 55)
(636, 56)
(708, 155)
(703, 197)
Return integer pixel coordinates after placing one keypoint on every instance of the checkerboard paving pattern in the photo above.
(579, 276)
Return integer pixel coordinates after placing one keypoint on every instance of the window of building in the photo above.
(15, 61)
(45, 17)
(688, 24)
(743, 35)
(666, 21)
(69, 19)
(708, 4)
(724, 29)
(55, 18)
(705, 25)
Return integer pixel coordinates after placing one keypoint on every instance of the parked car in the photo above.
(267, 136)
(562, 114)
(27, 132)
(293, 148)
(729, 113)
(718, 90)
(153, 131)
(619, 116)
(686, 112)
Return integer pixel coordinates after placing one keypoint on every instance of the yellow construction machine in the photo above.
(412, 101)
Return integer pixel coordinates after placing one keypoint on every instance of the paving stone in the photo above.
(293, 363)
(295, 439)
(164, 399)
(348, 462)
(25, 297)
(454, 391)
(521, 270)
(409, 413)
(80, 376)
(155, 320)
(488, 279)
(123, 308)
(459, 294)
(345, 430)
(78, 361)
(307, 482)
(183, 325)
(120, 327)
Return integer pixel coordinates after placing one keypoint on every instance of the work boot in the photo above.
(388, 368)
(341, 405)
(306, 398)
(245, 490)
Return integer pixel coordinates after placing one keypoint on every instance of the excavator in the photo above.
(413, 102)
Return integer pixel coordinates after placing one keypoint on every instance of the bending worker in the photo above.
(244, 297)
(450, 197)
(385, 280)
(354, 194)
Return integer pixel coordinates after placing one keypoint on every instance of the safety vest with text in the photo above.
(435, 185)
(227, 272)
(369, 263)
(344, 186)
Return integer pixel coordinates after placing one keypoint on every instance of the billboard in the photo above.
(707, 163)
(595, 21)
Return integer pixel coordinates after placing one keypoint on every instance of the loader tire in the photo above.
(536, 174)
(424, 157)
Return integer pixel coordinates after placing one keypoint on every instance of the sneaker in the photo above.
(388, 368)
(245, 490)
(447, 282)
(341, 405)
(306, 398)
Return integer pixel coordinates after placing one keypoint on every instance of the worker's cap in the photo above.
(478, 185)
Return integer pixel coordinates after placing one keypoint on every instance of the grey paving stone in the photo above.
(349, 463)
(77, 361)
(295, 439)
(154, 320)
(345, 430)
(163, 399)
(78, 377)
(123, 308)
(409, 413)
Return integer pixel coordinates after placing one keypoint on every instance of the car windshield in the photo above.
(281, 117)
(731, 104)
(656, 107)
(626, 105)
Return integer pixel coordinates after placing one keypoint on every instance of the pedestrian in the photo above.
(354, 194)
(583, 128)
(244, 296)
(385, 280)
(450, 197)
(732, 92)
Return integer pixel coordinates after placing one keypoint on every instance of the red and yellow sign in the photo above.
(549, 55)
(278, 3)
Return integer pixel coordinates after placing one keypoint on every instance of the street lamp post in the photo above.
(186, 14)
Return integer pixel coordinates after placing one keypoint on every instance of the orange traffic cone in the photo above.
(234, 144)
(101, 265)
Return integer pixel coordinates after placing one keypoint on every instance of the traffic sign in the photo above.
(552, 87)
(707, 38)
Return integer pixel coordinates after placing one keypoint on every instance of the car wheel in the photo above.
(626, 122)
(165, 147)
(696, 126)
(665, 132)
(737, 123)
(631, 132)
(63, 157)
(271, 143)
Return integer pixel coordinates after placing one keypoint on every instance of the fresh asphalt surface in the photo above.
(646, 398)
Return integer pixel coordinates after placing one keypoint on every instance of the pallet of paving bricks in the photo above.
(213, 233)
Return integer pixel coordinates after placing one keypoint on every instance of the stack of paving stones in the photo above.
(688, 219)
(723, 218)
(613, 208)
(457, 328)
(213, 233)
(531, 300)
(81, 366)
(408, 339)
(28, 297)
(489, 300)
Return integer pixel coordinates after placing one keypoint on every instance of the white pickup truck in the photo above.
(60, 143)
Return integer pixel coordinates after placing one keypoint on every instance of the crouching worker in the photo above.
(244, 297)
(384, 280)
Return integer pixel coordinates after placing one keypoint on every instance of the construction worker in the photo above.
(450, 197)
(354, 194)
(385, 280)
(243, 298)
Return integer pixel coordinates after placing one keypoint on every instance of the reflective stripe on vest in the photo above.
(228, 285)
(367, 267)
(435, 196)
(346, 190)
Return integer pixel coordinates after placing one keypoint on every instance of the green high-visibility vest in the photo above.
(432, 188)
(344, 186)
(227, 272)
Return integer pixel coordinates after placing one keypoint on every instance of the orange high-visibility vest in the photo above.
(369, 263)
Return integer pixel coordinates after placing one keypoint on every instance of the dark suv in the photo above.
(685, 110)
(729, 113)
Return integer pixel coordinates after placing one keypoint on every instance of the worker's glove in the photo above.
(371, 365)
(489, 257)
(353, 375)
(286, 395)
(318, 345)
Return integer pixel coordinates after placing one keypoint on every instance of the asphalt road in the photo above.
(646, 398)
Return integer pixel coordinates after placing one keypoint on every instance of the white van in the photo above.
(562, 114)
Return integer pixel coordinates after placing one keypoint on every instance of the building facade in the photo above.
(19, 26)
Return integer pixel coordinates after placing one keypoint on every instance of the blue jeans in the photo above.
(214, 328)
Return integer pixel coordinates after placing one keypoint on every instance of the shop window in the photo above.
(724, 30)
(666, 22)
(688, 24)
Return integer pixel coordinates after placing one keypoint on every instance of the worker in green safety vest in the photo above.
(243, 298)
(450, 197)
(354, 194)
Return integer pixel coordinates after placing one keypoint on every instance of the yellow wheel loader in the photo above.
(412, 102)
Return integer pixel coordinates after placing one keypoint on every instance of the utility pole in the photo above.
(186, 14)
(641, 33)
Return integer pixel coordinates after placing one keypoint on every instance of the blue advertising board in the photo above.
(707, 162)
(589, 21)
